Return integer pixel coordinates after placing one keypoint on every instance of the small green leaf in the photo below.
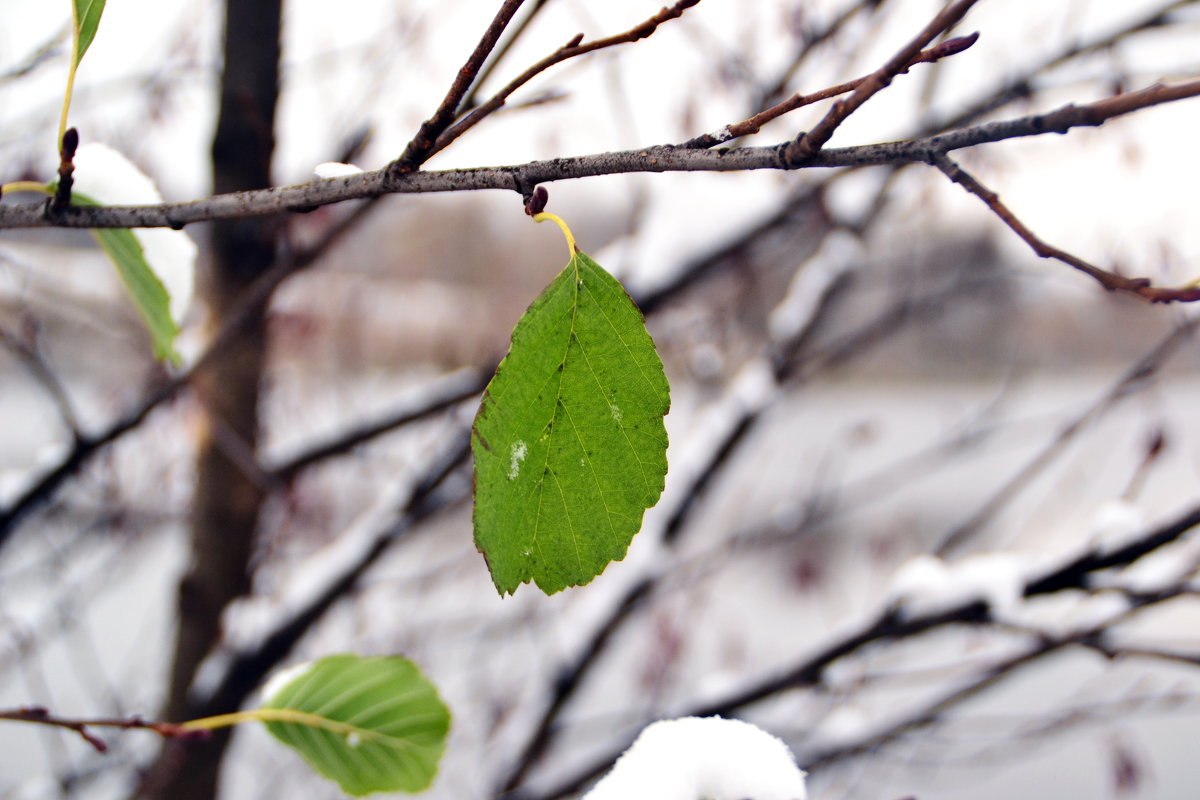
(371, 724)
(148, 293)
(87, 20)
(569, 442)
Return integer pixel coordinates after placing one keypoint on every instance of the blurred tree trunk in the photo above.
(228, 494)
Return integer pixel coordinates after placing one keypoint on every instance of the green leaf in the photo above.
(371, 724)
(147, 291)
(87, 20)
(569, 442)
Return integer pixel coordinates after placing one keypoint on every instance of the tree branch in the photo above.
(571, 49)
(37, 715)
(1109, 280)
(807, 144)
(891, 624)
(661, 158)
(421, 147)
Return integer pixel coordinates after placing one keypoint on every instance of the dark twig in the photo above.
(1130, 379)
(890, 624)
(514, 34)
(26, 350)
(421, 147)
(1019, 86)
(37, 715)
(456, 389)
(1109, 280)
(755, 123)
(66, 169)
(772, 94)
(572, 49)
(807, 144)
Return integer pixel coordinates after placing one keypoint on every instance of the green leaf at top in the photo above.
(371, 724)
(569, 442)
(147, 291)
(87, 20)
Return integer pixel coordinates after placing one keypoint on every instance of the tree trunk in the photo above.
(228, 493)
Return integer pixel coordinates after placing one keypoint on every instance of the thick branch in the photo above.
(662, 158)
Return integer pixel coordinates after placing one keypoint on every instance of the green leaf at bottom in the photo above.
(371, 724)
(569, 443)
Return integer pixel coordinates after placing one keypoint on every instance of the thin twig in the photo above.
(889, 624)
(515, 33)
(809, 45)
(421, 147)
(30, 355)
(572, 49)
(755, 123)
(1109, 280)
(807, 144)
(1147, 366)
(38, 715)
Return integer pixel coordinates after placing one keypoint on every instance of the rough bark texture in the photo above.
(228, 494)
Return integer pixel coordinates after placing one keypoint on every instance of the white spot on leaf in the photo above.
(515, 456)
(615, 410)
(353, 739)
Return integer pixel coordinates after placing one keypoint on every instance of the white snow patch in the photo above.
(1161, 569)
(695, 758)
(840, 253)
(336, 169)
(1116, 523)
(847, 724)
(281, 678)
(515, 456)
(1072, 612)
(754, 385)
(927, 585)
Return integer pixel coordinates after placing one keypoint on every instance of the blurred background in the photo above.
(866, 365)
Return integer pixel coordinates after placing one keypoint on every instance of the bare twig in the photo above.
(889, 624)
(572, 49)
(1109, 280)
(26, 349)
(421, 147)
(775, 90)
(37, 715)
(807, 144)
(1021, 85)
(661, 158)
(455, 389)
(1147, 366)
(755, 123)
(515, 33)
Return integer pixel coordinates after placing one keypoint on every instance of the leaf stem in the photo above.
(557, 220)
(25, 186)
(277, 715)
(66, 105)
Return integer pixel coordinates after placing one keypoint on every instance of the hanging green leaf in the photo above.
(569, 442)
(148, 293)
(370, 724)
(87, 20)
